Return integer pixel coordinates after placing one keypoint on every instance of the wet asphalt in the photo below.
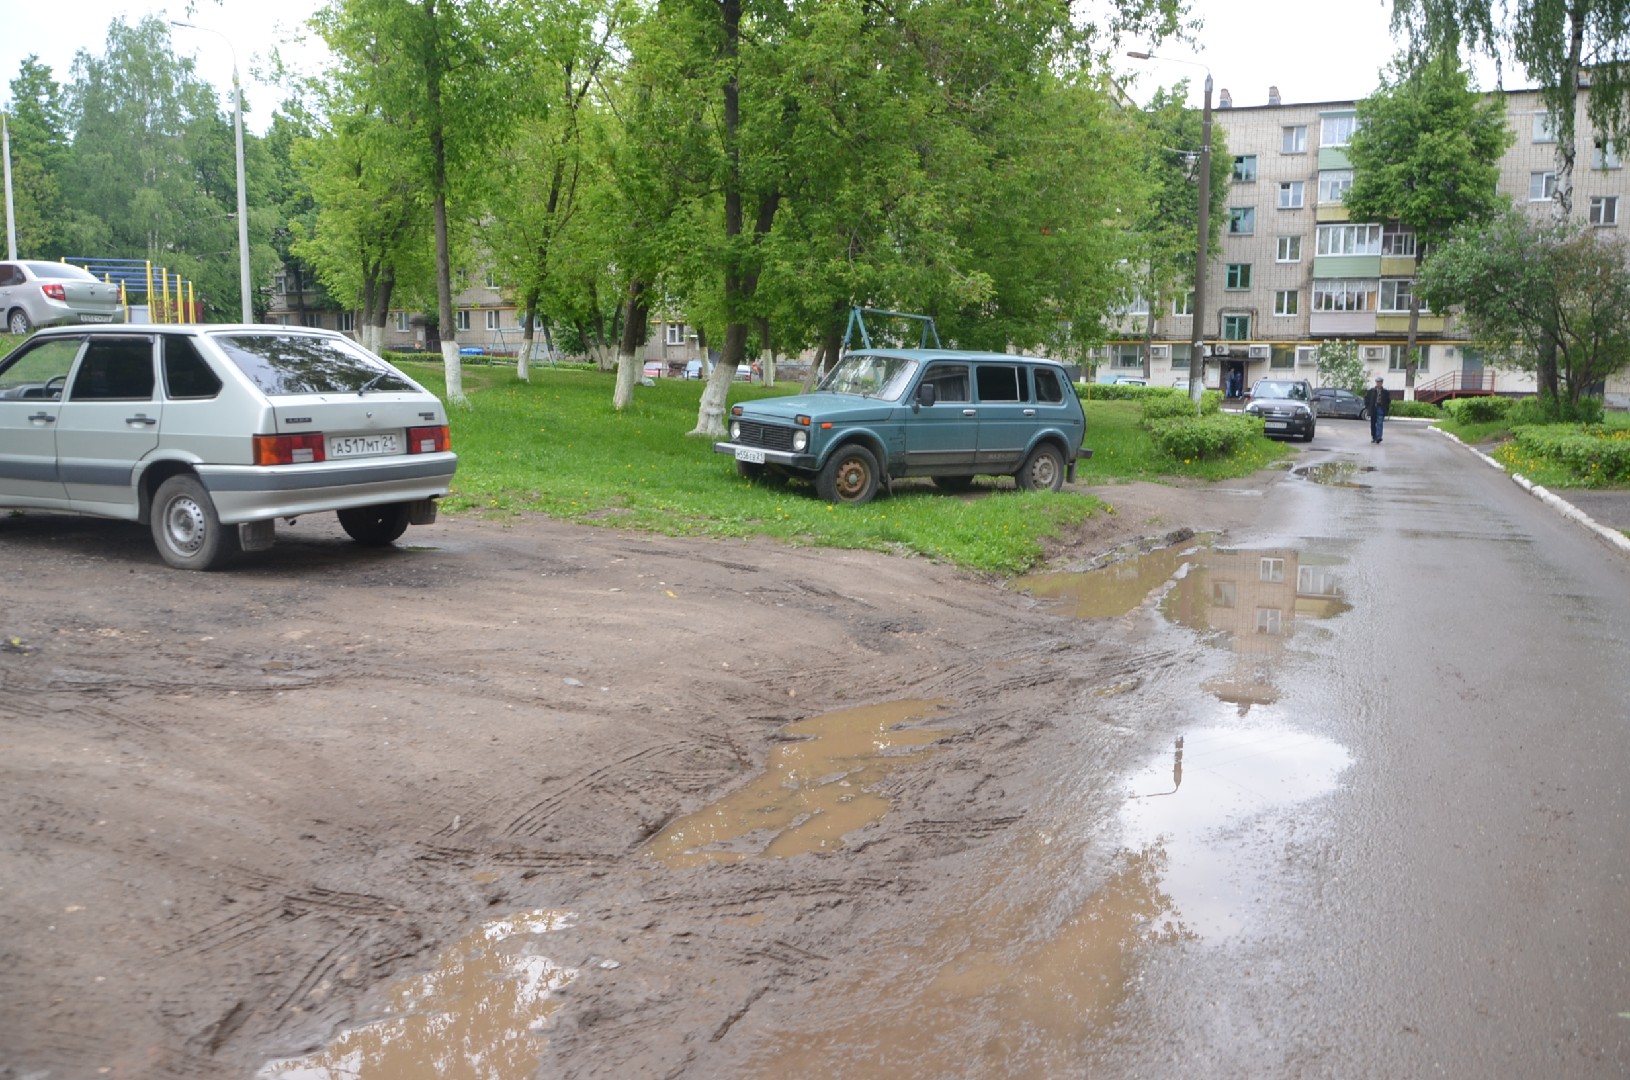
(1393, 826)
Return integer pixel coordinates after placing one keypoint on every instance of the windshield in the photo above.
(308, 364)
(883, 377)
(1281, 390)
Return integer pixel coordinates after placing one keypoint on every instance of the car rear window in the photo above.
(282, 364)
(59, 270)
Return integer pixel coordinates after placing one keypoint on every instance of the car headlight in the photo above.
(800, 439)
(735, 431)
(1253, 408)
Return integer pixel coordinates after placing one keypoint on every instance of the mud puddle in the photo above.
(1334, 473)
(479, 1015)
(813, 792)
(1109, 591)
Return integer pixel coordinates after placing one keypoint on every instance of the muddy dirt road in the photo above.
(245, 812)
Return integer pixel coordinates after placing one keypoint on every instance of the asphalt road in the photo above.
(1399, 837)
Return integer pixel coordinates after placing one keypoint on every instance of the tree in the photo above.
(1169, 223)
(1530, 289)
(1338, 365)
(1426, 154)
(40, 147)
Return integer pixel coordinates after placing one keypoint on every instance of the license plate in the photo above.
(1273, 424)
(96, 318)
(341, 446)
(750, 455)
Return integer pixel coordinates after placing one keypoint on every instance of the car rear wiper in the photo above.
(373, 382)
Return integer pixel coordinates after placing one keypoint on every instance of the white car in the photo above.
(209, 434)
(40, 293)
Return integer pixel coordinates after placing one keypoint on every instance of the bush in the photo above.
(1478, 410)
(1419, 409)
(1176, 405)
(1550, 410)
(1120, 392)
(1197, 438)
(1595, 455)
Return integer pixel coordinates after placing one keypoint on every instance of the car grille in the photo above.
(769, 436)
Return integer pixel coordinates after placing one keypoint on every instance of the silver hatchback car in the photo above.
(209, 434)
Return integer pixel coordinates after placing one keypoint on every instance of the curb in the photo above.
(1612, 537)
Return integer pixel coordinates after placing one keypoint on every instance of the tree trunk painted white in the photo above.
(453, 368)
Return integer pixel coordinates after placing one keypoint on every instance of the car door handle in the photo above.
(1030, 412)
(140, 419)
(43, 417)
(970, 412)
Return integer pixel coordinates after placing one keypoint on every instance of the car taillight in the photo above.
(54, 291)
(428, 440)
(289, 449)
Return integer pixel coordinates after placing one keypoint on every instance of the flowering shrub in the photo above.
(1596, 456)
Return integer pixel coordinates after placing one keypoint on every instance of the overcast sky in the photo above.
(1312, 52)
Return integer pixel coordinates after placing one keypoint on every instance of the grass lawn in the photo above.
(556, 446)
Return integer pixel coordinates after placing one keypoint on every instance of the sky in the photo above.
(1312, 52)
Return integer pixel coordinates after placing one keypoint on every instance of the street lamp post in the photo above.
(237, 132)
(1203, 240)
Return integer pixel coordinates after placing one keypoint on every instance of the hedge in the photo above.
(1477, 410)
(1213, 435)
(1597, 455)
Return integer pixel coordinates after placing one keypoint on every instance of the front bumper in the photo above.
(758, 455)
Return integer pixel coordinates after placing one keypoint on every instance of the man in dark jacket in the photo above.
(1377, 401)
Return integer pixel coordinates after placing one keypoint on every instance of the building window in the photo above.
(1183, 303)
(403, 324)
(280, 284)
(1223, 593)
(1244, 168)
(1348, 240)
(1397, 240)
(674, 334)
(494, 318)
(1270, 570)
(461, 319)
(1333, 185)
(1180, 357)
(1284, 301)
(1396, 294)
(1337, 129)
(1398, 357)
(1133, 305)
(1126, 356)
(1293, 139)
(1237, 276)
(1336, 294)
(1541, 186)
(1604, 209)
(1605, 155)
(1236, 327)
(1544, 128)
(347, 322)
(492, 279)
(1290, 194)
(1241, 221)
(1288, 249)
(1269, 620)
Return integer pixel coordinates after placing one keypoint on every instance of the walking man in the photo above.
(1378, 401)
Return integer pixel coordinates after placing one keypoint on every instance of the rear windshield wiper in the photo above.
(373, 382)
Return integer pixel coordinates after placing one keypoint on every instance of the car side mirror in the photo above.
(925, 394)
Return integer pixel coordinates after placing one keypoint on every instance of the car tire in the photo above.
(849, 476)
(1364, 413)
(17, 323)
(375, 526)
(186, 530)
(1309, 436)
(1043, 470)
(953, 483)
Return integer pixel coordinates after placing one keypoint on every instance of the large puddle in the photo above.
(478, 1016)
(813, 791)
(1112, 590)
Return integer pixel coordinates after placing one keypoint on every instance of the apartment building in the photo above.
(1293, 269)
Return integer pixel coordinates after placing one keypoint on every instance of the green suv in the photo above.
(881, 414)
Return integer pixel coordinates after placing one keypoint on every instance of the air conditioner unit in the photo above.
(1160, 352)
(1306, 356)
(1373, 352)
(1259, 352)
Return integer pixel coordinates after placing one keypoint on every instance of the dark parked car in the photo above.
(1285, 406)
(1335, 401)
(940, 413)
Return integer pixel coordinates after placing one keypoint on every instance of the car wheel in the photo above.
(953, 483)
(188, 533)
(1364, 413)
(1043, 470)
(17, 322)
(1309, 436)
(375, 526)
(849, 476)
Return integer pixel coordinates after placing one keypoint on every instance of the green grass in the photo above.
(1122, 450)
(555, 446)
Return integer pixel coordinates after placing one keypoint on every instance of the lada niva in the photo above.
(950, 415)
